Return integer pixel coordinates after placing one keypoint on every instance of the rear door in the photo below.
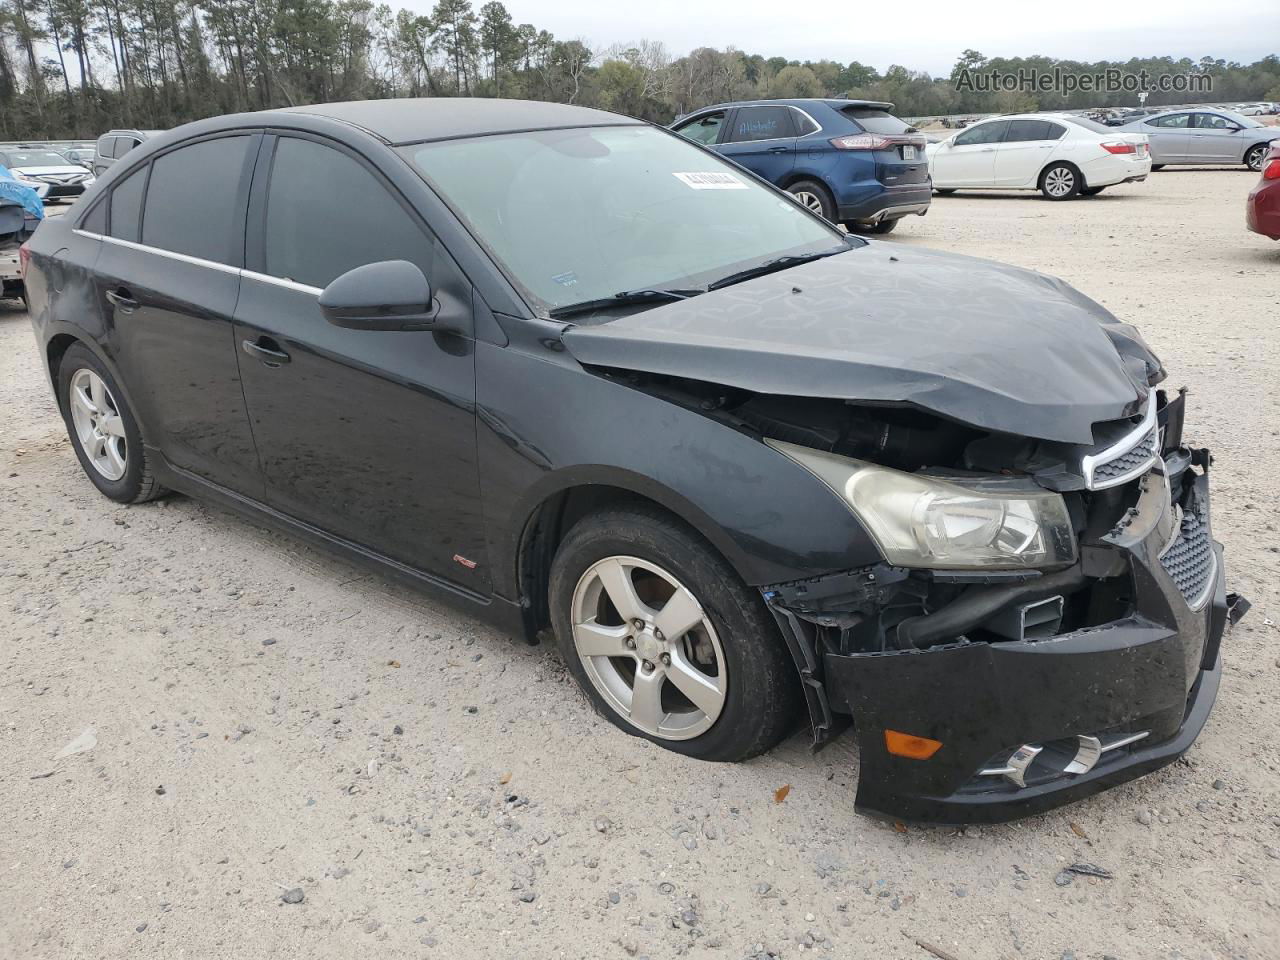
(969, 160)
(763, 139)
(167, 281)
(367, 435)
(1214, 139)
(1027, 145)
(1169, 136)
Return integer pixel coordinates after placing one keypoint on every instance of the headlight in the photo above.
(923, 521)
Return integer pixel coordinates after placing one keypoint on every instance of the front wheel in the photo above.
(1253, 159)
(668, 643)
(1060, 181)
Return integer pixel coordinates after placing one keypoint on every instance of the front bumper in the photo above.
(1144, 683)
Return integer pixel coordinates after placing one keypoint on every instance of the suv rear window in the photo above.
(877, 121)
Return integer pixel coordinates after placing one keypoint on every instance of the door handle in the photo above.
(266, 350)
(120, 298)
(779, 149)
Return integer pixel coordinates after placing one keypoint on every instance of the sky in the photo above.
(921, 34)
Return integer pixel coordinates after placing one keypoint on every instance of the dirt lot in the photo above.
(268, 718)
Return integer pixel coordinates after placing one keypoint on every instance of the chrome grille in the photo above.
(1123, 466)
(1189, 559)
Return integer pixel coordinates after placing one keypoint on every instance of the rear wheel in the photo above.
(814, 196)
(883, 227)
(1091, 191)
(103, 431)
(944, 191)
(667, 641)
(1157, 166)
(1060, 181)
(1254, 157)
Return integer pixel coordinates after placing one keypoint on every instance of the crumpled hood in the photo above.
(990, 345)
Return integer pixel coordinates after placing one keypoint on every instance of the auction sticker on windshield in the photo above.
(710, 180)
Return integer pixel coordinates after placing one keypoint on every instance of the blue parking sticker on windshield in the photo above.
(710, 180)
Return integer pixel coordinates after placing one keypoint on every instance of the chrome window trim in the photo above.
(799, 136)
(1091, 462)
(282, 282)
(170, 254)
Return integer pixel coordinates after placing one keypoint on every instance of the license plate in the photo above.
(909, 152)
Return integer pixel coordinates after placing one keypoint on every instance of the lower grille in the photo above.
(1189, 559)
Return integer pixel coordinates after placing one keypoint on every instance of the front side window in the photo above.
(992, 132)
(578, 214)
(1212, 121)
(126, 205)
(192, 200)
(761, 123)
(704, 130)
(1174, 121)
(327, 214)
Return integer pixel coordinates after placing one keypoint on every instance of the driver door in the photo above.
(969, 159)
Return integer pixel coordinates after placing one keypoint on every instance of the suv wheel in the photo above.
(1060, 181)
(665, 639)
(883, 227)
(814, 196)
(103, 431)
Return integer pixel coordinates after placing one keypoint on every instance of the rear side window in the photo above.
(992, 132)
(126, 205)
(761, 123)
(877, 121)
(804, 123)
(192, 204)
(95, 220)
(704, 130)
(327, 214)
(1021, 131)
(106, 146)
(124, 145)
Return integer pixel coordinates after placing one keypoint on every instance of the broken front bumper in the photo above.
(1028, 725)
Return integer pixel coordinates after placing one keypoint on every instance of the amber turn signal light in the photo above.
(906, 745)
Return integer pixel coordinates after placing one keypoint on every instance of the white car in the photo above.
(1061, 156)
(41, 166)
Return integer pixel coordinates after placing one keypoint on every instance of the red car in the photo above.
(1262, 212)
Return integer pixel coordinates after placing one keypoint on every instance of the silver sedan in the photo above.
(1204, 136)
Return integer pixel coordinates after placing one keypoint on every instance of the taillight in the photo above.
(861, 141)
(1119, 148)
(24, 258)
(1272, 170)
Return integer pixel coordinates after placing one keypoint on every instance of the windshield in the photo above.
(581, 214)
(34, 158)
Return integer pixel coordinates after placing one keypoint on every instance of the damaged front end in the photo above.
(987, 694)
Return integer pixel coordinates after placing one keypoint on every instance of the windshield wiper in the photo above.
(623, 299)
(772, 266)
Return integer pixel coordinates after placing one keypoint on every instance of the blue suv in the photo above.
(852, 161)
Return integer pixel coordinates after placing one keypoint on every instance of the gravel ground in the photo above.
(295, 759)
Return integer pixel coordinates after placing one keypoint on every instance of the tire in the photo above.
(1255, 155)
(815, 196)
(1157, 166)
(122, 471)
(1091, 191)
(1060, 181)
(944, 191)
(734, 647)
(881, 228)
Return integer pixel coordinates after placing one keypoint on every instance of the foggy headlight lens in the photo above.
(921, 521)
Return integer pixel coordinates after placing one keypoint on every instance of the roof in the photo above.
(836, 103)
(414, 120)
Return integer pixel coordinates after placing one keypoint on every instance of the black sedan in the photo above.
(574, 372)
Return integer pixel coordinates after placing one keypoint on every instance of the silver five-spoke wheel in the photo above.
(98, 425)
(810, 200)
(649, 648)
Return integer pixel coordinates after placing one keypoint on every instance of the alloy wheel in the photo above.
(1059, 181)
(1255, 158)
(99, 427)
(648, 648)
(810, 200)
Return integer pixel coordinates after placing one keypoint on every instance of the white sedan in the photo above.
(1061, 156)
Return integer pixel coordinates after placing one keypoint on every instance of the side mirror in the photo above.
(389, 295)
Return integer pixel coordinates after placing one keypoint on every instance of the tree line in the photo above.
(70, 69)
